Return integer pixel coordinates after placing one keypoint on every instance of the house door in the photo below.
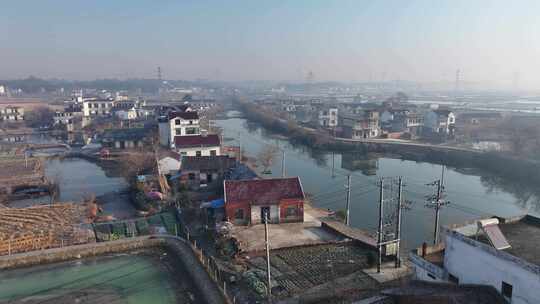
(264, 212)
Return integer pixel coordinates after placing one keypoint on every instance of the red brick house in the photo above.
(247, 200)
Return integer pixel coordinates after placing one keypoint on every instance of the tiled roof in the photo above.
(205, 163)
(184, 115)
(263, 191)
(210, 140)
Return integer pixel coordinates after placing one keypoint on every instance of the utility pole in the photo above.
(269, 289)
(348, 199)
(398, 225)
(282, 163)
(437, 203)
(380, 234)
(437, 213)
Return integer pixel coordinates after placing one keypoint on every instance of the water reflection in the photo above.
(367, 163)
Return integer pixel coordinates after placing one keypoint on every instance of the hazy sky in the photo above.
(490, 41)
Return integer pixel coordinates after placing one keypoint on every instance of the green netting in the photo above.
(154, 220)
(142, 227)
(169, 221)
(119, 229)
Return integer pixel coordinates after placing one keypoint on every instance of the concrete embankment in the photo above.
(175, 245)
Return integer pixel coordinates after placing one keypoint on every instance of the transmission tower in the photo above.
(391, 205)
(159, 74)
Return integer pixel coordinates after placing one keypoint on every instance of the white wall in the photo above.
(205, 151)
(184, 124)
(256, 214)
(474, 265)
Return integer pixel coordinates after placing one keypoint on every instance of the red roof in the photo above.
(210, 140)
(184, 115)
(263, 191)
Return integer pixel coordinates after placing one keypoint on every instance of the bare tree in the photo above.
(134, 164)
(53, 186)
(266, 156)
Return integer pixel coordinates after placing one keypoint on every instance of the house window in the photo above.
(192, 131)
(506, 291)
(177, 121)
(198, 153)
(209, 177)
(191, 122)
(239, 214)
(191, 176)
(291, 211)
(212, 152)
(178, 131)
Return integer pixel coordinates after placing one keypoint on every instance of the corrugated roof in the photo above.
(210, 140)
(204, 163)
(263, 191)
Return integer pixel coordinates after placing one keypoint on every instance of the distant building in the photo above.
(128, 114)
(97, 107)
(12, 113)
(328, 118)
(411, 122)
(247, 201)
(197, 145)
(440, 121)
(205, 171)
(498, 252)
(363, 125)
(69, 117)
(126, 138)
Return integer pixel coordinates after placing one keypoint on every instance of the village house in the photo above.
(205, 171)
(363, 125)
(11, 113)
(168, 162)
(97, 107)
(410, 122)
(126, 138)
(197, 145)
(328, 117)
(499, 252)
(440, 121)
(247, 201)
(127, 114)
(178, 124)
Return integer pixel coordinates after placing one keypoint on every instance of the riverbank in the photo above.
(493, 163)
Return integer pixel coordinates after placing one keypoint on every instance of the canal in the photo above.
(80, 179)
(470, 195)
(145, 277)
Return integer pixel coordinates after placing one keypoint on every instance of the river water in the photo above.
(470, 195)
(79, 179)
(128, 278)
